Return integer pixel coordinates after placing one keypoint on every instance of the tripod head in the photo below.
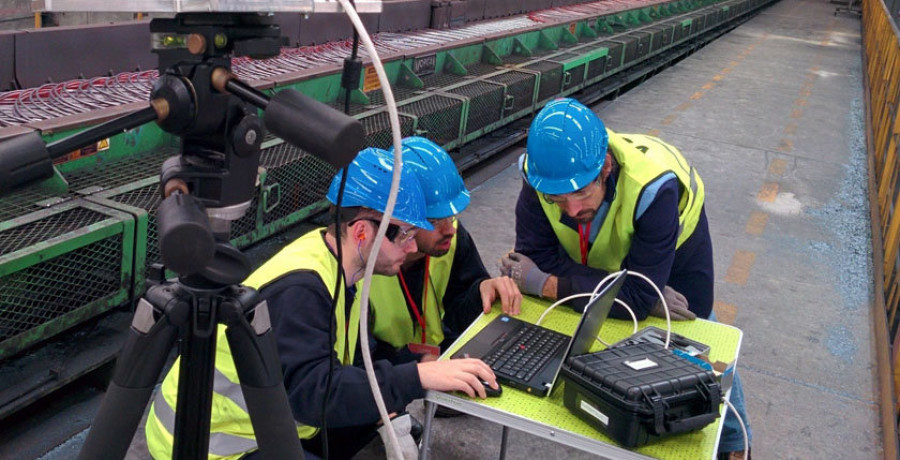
(220, 138)
(211, 183)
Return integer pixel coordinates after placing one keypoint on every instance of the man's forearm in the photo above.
(549, 290)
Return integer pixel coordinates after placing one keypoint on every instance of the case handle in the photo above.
(691, 423)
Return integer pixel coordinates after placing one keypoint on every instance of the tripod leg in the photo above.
(137, 371)
(195, 381)
(259, 369)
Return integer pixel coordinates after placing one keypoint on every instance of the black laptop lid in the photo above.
(594, 316)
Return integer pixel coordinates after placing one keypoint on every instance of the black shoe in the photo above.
(446, 412)
(415, 429)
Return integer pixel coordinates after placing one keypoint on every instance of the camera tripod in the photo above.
(210, 184)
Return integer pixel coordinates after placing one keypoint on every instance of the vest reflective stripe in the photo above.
(392, 321)
(641, 159)
(221, 445)
(231, 432)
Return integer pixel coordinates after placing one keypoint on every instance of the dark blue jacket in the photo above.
(689, 270)
(300, 306)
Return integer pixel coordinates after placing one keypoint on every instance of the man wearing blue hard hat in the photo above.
(594, 202)
(443, 286)
(316, 338)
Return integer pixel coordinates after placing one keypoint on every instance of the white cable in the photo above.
(634, 319)
(661, 299)
(558, 302)
(743, 428)
(592, 295)
(393, 447)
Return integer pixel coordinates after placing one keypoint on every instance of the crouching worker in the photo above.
(442, 286)
(593, 202)
(316, 338)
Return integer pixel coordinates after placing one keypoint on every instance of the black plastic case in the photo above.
(641, 392)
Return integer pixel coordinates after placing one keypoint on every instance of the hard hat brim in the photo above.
(557, 186)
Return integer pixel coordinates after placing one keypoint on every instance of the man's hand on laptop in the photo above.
(504, 289)
(678, 306)
(463, 375)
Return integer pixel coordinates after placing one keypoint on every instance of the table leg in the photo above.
(504, 440)
(430, 408)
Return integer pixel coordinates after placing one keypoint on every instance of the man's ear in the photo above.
(358, 231)
(607, 165)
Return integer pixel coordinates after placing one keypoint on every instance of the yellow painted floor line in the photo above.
(756, 224)
(739, 271)
(768, 192)
(725, 313)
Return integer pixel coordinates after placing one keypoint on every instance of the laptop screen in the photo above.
(595, 314)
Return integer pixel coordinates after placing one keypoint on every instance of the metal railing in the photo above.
(881, 54)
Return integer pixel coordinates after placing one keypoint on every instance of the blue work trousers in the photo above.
(732, 437)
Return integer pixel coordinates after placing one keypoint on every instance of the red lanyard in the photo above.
(420, 317)
(584, 235)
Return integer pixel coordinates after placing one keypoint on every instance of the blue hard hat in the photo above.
(445, 192)
(369, 182)
(566, 147)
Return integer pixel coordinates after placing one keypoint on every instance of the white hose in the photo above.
(393, 447)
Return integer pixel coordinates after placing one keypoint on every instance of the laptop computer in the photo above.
(527, 356)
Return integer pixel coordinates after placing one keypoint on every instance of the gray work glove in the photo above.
(524, 272)
(678, 306)
(402, 425)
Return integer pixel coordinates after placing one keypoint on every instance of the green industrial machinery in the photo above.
(72, 250)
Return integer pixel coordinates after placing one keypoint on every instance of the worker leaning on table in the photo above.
(594, 201)
(443, 286)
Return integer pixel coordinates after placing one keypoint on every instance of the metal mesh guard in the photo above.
(520, 85)
(44, 229)
(378, 129)
(485, 103)
(302, 178)
(438, 117)
(43, 292)
(551, 78)
(576, 74)
(596, 67)
(122, 172)
(148, 199)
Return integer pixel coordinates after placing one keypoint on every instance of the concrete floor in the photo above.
(771, 115)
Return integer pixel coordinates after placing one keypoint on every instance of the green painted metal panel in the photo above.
(502, 46)
(468, 55)
(59, 267)
(444, 105)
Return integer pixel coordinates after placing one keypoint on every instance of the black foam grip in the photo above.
(186, 243)
(23, 159)
(117, 419)
(275, 428)
(315, 127)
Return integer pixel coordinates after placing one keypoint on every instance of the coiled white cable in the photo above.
(393, 447)
(597, 288)
(592, 295)
(658, 293)
(743, 428)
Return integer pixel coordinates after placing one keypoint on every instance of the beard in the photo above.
(388, 268)
(440, 248)
(586, 217)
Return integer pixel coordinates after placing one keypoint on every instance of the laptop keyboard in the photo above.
(525, 354)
